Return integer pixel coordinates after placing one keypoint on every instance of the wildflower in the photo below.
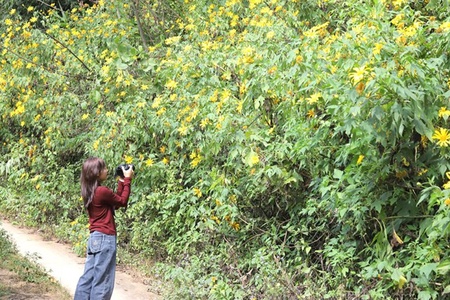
(270, 35)
(444, 27)
(314, 98)
(128, 159)
(398, 18)
(253, 158)
(377, 49)
(204, 123)
(165, 161)
(444, 112)
(240, 106)
(183, 129)
(447, 201)
(171, 84)
(215, 218)
(149, 162)
(446, 186)
(358, 74)
(442, 136)
(196, 159)
(360, 159)
(235, 226)
(311, 113)
(197, 192)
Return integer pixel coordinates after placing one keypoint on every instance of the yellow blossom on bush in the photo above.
(149, 162)
(171, 84)
(377, 48)
(442, 137)
(360, 159)
(128, 159)
(444, 27)
(196, 160)
(197, 192)
(444, 112)
(270, 35)
(358, 74)
(446, 186)
(314, 98)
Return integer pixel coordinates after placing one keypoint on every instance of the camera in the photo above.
(119, 171)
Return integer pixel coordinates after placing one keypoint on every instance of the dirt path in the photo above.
(66, 267)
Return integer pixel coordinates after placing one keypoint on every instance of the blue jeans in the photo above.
(97, 281)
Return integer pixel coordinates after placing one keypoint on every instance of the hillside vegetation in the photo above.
(292, 149)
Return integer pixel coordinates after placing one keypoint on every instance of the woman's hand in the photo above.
(128, 173)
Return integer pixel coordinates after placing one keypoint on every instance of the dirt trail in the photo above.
(66, 267)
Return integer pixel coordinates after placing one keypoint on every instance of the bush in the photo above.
(282, 151)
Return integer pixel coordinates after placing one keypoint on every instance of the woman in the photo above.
(97, 281)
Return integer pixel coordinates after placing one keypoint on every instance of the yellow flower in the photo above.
(149, 162)
(442, 136)
(197, 192)
(314, 98)
(360, 159)
(358, 74)
(447, 201)
(253, 158)
(171, 84)
(446, 186)
(311, 113)
(444, 27)
(236, 226)
(444, 112)
(128, 159)
(377, 49)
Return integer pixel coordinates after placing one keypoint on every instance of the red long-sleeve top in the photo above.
(105, 201)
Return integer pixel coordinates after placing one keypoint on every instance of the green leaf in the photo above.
(443, 267)
(428, 268)
(446, 290)
(337, 174)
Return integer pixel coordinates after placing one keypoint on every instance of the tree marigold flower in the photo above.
(442, 137)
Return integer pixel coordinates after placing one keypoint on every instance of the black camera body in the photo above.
(119, 171)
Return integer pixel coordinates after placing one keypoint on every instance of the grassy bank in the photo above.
(22, 278)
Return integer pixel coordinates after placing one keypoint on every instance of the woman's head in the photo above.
(91, 176)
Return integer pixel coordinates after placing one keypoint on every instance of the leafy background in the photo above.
(284, 149)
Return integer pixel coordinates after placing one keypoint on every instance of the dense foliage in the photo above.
(284, 149)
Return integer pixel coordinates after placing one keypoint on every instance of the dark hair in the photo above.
(89, 178)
